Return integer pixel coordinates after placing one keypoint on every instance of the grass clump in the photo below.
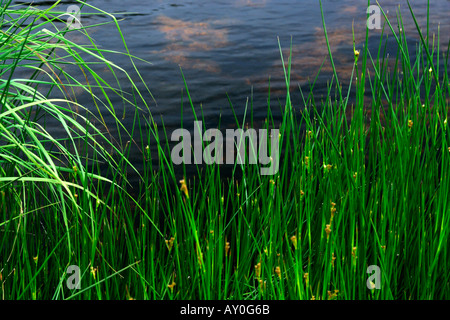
(351, 192)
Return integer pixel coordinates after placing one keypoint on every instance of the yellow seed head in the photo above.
(173, 284)
(258, 270)
(227, 248)
(183, 188)
(169, 243)
(262, 285)
(294, 241)
(93, 271)
(354, 252)
(328, 230)
(278, 272)
(332, 295)
(306, 277)
(307, 161)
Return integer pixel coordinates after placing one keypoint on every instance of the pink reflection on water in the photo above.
(188, 38)
(251, 3)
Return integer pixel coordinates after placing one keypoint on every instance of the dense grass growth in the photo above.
(370, 189)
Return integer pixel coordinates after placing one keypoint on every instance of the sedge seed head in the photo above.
(328, 229)
(169, 243)
(93, 271)
(173, 284)
(258, 270)
(183, 188)
(227, 248)
(278, 272)
(294, 241)
(262, 285)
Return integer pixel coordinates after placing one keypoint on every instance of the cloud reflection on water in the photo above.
(251, 3)
(187, 40)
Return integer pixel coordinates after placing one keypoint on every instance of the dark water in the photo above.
(231, 47)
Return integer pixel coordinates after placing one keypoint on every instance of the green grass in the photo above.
(371, 189)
